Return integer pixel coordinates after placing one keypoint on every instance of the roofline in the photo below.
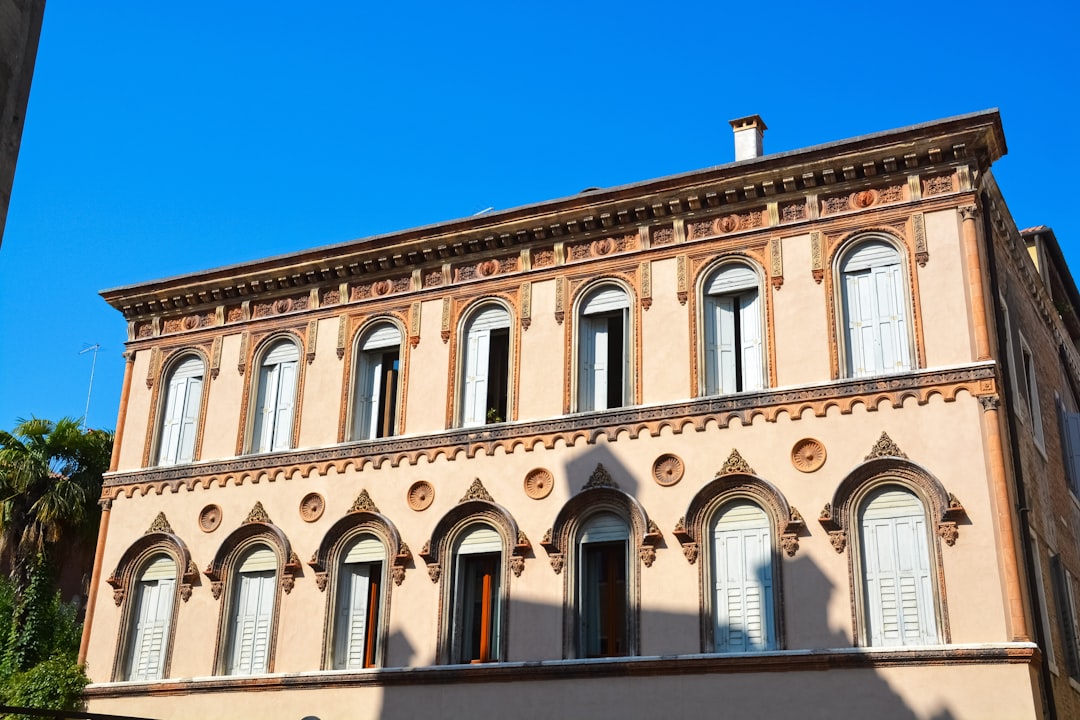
(862, 143)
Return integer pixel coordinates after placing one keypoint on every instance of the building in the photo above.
(795, 435)
(20, 29)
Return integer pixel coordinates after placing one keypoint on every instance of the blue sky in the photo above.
(167, 138)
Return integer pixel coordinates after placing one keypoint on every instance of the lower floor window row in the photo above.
(893, 567)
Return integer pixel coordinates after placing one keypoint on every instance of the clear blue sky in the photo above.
(166, 138)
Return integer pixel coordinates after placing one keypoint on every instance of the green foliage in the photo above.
(38, 665)
(50, 481)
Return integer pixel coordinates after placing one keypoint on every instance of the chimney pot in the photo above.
(748, 133)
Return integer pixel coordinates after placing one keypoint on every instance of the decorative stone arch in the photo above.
(888, 465)
(348, 384)
(476, 504)
(698, 322)
(170, 360)
(252, 357)
(256, 528)
(737, 481)
(457, 315)
(363, 517)
(600, 494)
(786, 521)
(837, 249)
(572, 338)
(159, 539)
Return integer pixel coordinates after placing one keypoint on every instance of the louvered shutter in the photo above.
(593, 375)
(366, 407)
(172, 420)
(352, 616)
(153, 615)
(189, 421)
(477, 356)
(742, 576)
(712, 348)
(896, 571)
(753, 376)
(1066, 614)
(726, 345)
(876, 311)
(255, 608)
(286, 399)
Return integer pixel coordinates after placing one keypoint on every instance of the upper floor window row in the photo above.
(874, 325)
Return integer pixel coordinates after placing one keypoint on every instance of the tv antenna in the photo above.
(95, 347)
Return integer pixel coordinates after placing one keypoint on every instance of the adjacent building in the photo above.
(798, 435)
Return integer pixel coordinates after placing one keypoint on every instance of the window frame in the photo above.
(464, 344)
(859, 555)
(585, 591)
(476, 507)
(174, 366)
(223, 571)
(902, 285)
(1032, 403)
(359, 365)
(158, 540)
(235, 593)
(578, 358)
(257, 410)
(492, 598)
(706, 322)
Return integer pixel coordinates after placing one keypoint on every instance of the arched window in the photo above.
(603, 598)
(476, 595)
(180, 412)
(359, 582)
(275, 398)
(742, 579)
(375, 384)
(251, 612)
(485, 368)
(734, 358)
(875, 310)
(151, 619)
(896, 570)
(603, 346)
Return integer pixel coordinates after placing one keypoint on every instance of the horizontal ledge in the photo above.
(699, 664)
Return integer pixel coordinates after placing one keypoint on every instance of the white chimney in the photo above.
(748, 133)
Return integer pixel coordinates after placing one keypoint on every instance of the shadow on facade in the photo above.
(691, 683)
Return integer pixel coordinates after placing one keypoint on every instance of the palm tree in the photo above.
(50, 481)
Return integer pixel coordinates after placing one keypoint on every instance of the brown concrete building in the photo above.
(794, 436)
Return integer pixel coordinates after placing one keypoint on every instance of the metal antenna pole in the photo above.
(95, 347)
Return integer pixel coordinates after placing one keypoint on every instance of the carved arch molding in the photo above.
(158, 539)
(363, 517)
(255, 528)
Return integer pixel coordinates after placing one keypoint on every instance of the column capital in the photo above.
(968, 212)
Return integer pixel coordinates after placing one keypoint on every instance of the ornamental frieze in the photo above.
(698, 415)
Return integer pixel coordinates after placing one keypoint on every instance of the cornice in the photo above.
(696, 415)
(782, 661)
(974, 141)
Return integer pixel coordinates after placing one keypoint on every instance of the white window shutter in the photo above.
(477, 355)
(366, 403)
(283, 411)
(712, 355)
(742, 579)
(190, 419)
(265, 402)
(593, 375)
(875, 307)
(897, 581)
(254, 615)
(153, 616)
(350, 647)
(750, 326)
(726, 350)
(172, 420)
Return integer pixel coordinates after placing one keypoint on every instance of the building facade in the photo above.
(797, 434)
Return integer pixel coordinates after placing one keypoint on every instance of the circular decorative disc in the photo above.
(538, 483)
(808, 455)
(421, 495)
(668, 469)
(312, 506)
(209, 518)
